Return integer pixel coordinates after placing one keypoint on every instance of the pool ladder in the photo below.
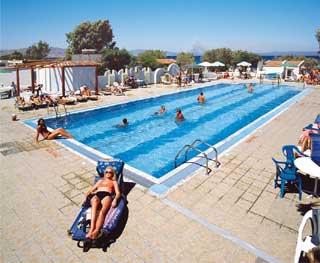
(56, 110)
(186, 148)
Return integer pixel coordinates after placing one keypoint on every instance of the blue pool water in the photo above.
(150, 143)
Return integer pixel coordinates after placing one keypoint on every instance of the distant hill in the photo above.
(136, 52)
(55, 52)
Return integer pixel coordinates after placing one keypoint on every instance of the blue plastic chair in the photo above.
(291, 152)
(315, 148)
(316, 121)
(286, 172)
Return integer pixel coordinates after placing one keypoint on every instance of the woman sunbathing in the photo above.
(42, 129)
(105, 187)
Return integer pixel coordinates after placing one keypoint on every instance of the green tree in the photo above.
(309, 63)
(318, 37)
(148, 58)
(97, 35)
(223, 55)
(240, 55)
(38, 50)
(133, 62)
(115, 58)
(14, 55)
(185, 58)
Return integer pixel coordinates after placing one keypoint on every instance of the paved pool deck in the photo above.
(232, 215)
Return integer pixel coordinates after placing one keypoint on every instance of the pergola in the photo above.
(32, 65)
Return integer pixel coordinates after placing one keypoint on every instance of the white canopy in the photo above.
(217, 64)
(244, 64)
(205, 64)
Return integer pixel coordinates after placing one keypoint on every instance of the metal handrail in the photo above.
(207, 144)
(196, 149)
(186, 148)
(56, 109)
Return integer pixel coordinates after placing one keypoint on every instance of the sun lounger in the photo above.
(81, 224)
(24, 107)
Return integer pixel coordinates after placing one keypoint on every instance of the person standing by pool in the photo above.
(42, 129)
(201, 99)
(14, 88)
(200, 75)
(179, 115)
(179, 78)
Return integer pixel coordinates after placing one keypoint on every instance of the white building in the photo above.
(286, 69)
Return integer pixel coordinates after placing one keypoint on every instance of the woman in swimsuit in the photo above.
(42, 129)
(105, 187)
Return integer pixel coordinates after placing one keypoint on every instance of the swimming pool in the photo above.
(150, 142)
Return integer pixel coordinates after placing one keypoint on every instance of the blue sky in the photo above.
(258, 26)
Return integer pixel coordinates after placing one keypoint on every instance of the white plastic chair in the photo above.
(310, 241)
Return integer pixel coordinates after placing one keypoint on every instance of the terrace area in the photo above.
(232, 215)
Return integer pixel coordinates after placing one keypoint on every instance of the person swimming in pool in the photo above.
(250, 88)
(179, 115)
(161, 111)
(124, 123)
(102, 197)
(47, 135)
(201, 98)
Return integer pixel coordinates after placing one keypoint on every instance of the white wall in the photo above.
(173, 69)
(157, 74)
(278, 70)
(75, 77)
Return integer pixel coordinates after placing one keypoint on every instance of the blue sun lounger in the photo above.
(81, 224)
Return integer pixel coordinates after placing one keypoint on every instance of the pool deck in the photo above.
(232, 215)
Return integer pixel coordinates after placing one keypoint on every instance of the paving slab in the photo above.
(42, 186)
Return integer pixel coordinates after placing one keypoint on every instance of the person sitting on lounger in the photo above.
(132, 83)
(20, 101)
(201, 99)
(85, 91)
(104, 187)
(116, 88)
(42, 129)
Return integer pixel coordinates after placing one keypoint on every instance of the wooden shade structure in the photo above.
(54, 64)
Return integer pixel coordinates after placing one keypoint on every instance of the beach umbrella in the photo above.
(244, 64)
(217, 64)
(205, 64)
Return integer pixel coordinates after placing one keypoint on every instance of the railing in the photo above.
(56, 109)
(186, 148)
